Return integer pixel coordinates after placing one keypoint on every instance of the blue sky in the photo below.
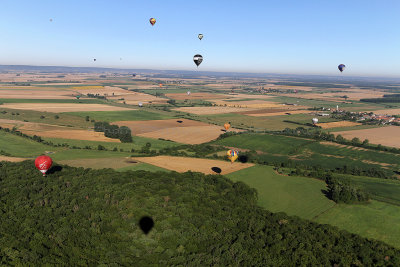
(279, 36)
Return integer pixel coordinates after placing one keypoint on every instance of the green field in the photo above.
(274, 144)
(248, 122)
(384, 190)
(50, 118)
(126, 115)
(138, 142)
(298, 196)
(309, 151)
(375, 220)
(21, 147)
(303, 197)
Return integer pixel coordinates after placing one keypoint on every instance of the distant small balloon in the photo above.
(146, 224)
(152, 21)
(94, 59)
(314, 121)
(197, 59)
(341, 67)
(140, 104)
(188, 92)
(51, 20)
(200, 36)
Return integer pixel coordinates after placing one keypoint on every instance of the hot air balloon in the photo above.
(188, 92)
(227, 126)
(341, 67)
(140, 104)
(197, 59)
(160, 85)
(43, 163)
(94, 59)
(152, 21)
(314, 121)
(51, 20)
(232, 155)
(200, 36)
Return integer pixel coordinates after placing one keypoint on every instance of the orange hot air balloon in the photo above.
(160, 85)
(232, 155)
(227, 125)
(43, 164)
(152, 21)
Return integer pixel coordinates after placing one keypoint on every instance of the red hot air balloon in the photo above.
(43, 163)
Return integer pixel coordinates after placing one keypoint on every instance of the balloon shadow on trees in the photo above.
(54, 169)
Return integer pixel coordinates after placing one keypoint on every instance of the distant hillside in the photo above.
(78, 216)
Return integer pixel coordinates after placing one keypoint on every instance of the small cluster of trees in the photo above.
(122, 133)
(343, 191)
(96, 96)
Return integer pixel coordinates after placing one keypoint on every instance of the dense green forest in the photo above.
(78, 216)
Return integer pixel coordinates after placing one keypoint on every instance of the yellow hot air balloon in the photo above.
(232, 155)
(152, 21)
(227, 125)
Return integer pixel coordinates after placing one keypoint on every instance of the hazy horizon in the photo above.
(285, 37)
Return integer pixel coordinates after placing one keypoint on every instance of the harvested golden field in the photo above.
(53, 131)
(249, 104)
(139, 127)
(187, 132)
(386, 136)
(183, 96)
(187, 135)
(35, 94)
(395, 111)
(11, 159)
(280, 113)
(244, 96)
(62, 107)
(133, 98)
(182, 164)
(335, 124)
(353, 94)
(211, 110)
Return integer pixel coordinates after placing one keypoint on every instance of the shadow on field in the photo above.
(325, 192)
(54, 169)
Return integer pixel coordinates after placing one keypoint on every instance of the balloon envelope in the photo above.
(140, 104)
(232, 155)
(200, 36)
(314, 120)
(152, 21)
(188, 92)
(341, 67)
(43, 163)
(197, 59)
(227, 126)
